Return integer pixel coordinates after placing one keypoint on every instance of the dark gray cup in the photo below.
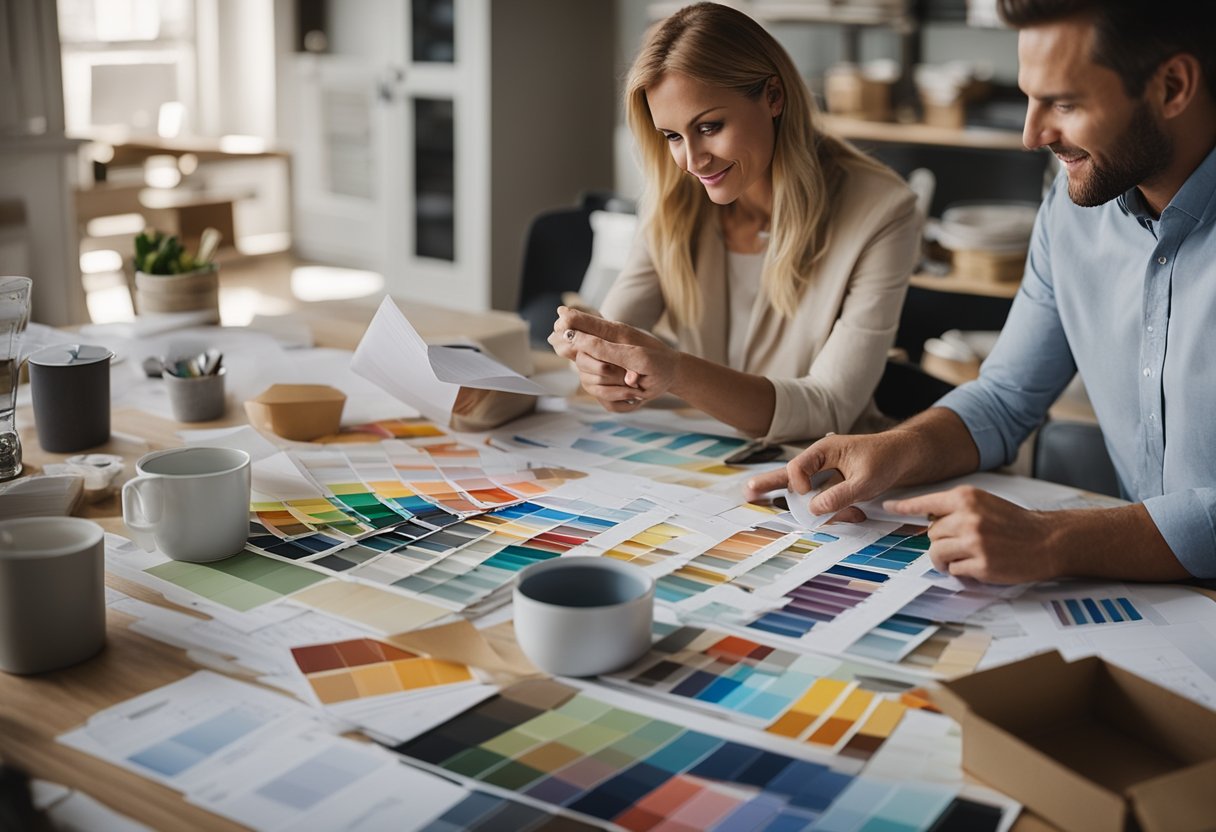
(71, 389)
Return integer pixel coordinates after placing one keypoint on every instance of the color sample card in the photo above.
(177, 754)
(190, 730)
(655, 546)
(737, 561)
(533, 482)
(242, 582)
(482, 812)
(385, 429)
(844, 718)
(726, 673)
(894, 551)
(942, 603)
(829, 594)
(333, 472)
(774, 568)
(467, 562)
(954, 650)
(894, 638)
(363, 668)
(636, 443)
(277, 519)
(325, 514)
(814, 699)
(369, 607)
(562, 747)
(1089, 611)
(303, 547)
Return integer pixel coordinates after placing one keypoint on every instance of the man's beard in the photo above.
(1141, 152)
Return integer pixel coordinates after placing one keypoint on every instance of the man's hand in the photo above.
(869, 465)
(978, 535)
(619, 365)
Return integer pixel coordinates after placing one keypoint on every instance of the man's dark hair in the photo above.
(1132, 37)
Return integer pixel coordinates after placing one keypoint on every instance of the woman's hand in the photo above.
(619, 365)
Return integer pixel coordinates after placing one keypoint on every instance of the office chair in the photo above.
(556, 255)
(1074, 453)
(905, 390)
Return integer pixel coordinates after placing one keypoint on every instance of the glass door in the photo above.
(435, 229)
(341, 148)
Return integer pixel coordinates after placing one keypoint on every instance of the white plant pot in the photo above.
(189, 292)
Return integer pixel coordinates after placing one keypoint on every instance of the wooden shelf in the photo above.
(838, 12)
(880, 131)
(961, 284)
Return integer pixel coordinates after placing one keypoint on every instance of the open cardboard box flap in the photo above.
(1087, 745)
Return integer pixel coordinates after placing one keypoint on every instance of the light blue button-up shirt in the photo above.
(1130, 302)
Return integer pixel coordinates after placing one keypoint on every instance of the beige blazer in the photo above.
(826, 360)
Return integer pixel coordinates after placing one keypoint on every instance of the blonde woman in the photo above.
(778, 255)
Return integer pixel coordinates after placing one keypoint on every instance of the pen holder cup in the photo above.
(196, 399)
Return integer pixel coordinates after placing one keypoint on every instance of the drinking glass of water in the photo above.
(14, 316)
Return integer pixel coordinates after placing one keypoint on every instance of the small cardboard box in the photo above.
(302, 412)
(1087, 745)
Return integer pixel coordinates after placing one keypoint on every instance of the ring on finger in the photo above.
(569, 334)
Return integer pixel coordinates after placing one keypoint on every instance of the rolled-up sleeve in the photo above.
(636, 297)
(842, 377)
(1187, 521)
(1028, 368)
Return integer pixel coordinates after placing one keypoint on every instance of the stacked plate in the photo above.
(996, 227)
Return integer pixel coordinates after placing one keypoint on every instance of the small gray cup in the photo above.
(71, 389)
(52, 593)
(578, 616)
(198, 398)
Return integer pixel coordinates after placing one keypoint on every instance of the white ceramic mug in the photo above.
(52, 593)
(583, 616)
(191, 503)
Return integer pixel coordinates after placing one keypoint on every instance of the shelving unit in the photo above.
(963, 285)
(975, 138)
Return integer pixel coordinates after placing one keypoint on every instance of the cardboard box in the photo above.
(850, 93)
(1087, 745)
(301, 412)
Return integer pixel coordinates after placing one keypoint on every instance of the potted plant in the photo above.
(170, 279)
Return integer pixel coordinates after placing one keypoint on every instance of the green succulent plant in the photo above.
(157, 253)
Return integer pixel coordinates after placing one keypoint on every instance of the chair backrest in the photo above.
(1074, 453)
(905, 390)
(557, 252)
(556, 256)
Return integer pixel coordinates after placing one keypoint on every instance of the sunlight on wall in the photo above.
(313, 283)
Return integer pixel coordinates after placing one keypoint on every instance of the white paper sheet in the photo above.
(188, 731)
(313, 780)
(394, 356)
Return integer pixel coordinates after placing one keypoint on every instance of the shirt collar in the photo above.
(1196, 197)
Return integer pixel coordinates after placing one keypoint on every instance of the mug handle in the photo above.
(142, 505)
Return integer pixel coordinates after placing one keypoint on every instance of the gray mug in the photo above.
(582, 616)
(71, 389)
(52, 593)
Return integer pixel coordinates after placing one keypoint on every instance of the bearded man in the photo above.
(1120, 286)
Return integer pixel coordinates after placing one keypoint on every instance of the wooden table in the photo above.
(35, 710)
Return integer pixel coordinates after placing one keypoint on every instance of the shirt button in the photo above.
(1149, 327)
(1152, 417)
(1163, 260)
(1147, 372)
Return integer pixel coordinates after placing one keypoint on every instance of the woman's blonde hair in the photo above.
(723, 47)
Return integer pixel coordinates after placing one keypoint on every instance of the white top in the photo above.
(825, 360)
(743, 285)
